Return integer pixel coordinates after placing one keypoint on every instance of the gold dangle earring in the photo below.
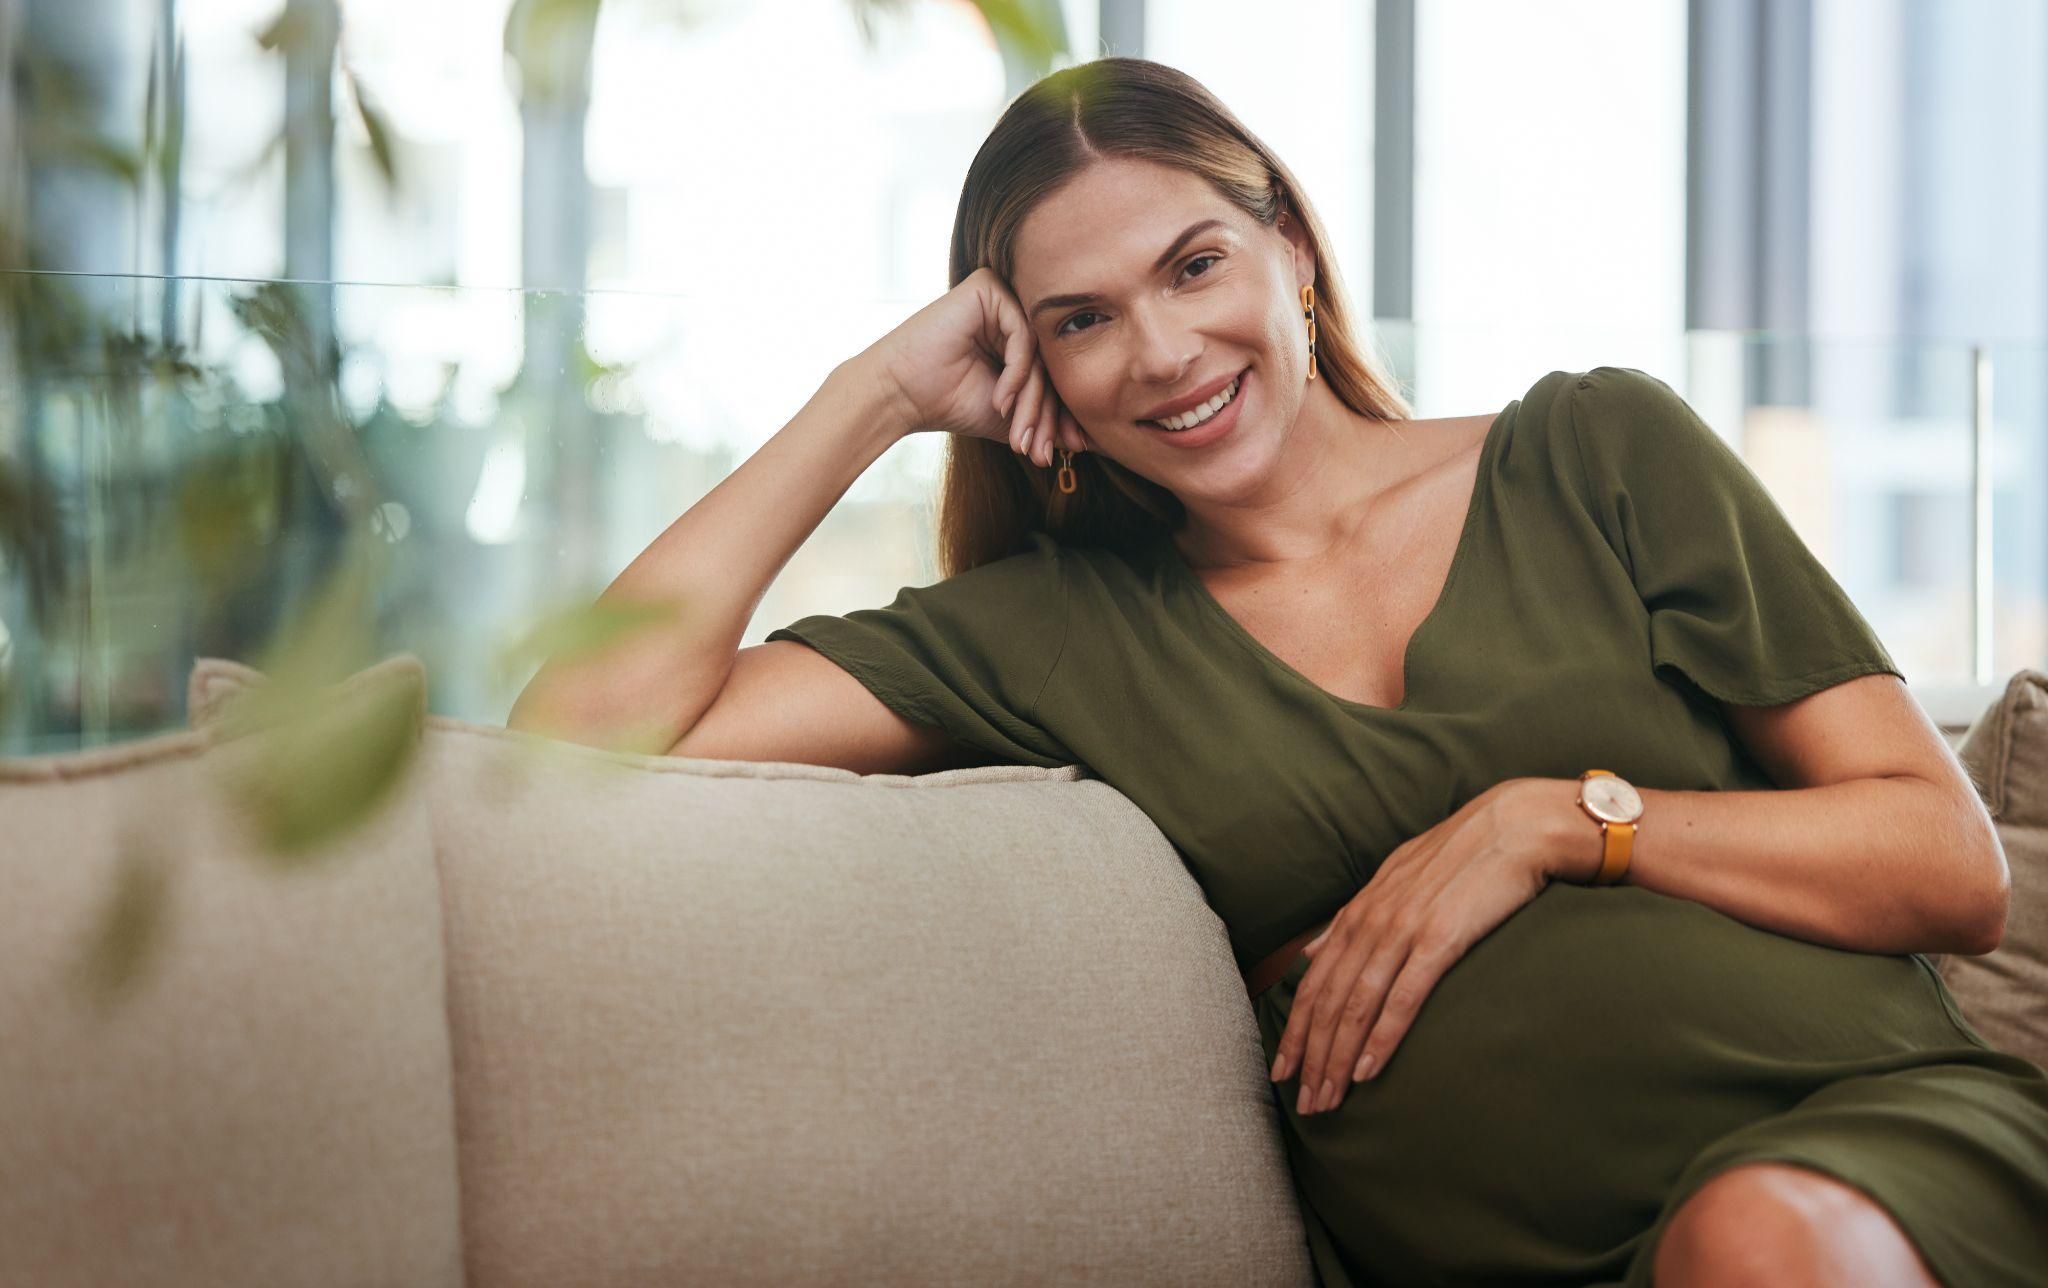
(1067, 478)
(1308, 311)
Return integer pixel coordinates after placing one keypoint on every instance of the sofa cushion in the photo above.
(737, 1023)
(2004, 993)
(265, 1097)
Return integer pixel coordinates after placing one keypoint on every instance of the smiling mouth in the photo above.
(1202, 415)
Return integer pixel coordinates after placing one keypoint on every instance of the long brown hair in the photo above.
(992, 499)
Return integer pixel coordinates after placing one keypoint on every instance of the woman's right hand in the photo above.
(960, 361)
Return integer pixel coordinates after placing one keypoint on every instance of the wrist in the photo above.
(1574, 842)
(873, 398)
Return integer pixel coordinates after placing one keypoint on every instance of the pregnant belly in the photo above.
(1565, 1070)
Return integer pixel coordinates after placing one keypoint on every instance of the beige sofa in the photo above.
(553, 1016)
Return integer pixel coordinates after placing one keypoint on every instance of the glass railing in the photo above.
(188, 467)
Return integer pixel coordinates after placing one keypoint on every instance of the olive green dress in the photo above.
(1585, 1067)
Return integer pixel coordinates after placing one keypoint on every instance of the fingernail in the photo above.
(1301, 1105)
(1328, 1100)
(1277, 1061)
(1364, 1070)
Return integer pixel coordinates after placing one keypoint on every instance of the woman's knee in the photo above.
(1782, 1224)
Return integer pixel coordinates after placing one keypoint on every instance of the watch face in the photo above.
(1612, 799)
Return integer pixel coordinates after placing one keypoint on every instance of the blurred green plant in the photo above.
(578, 632)
(277, 312)
(294, 28)
(227, 510)
(131, 927)
(1031, 31)
(339, 735)
(582, 632)
(32, 523)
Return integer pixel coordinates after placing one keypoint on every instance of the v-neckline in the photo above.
(1214, 607)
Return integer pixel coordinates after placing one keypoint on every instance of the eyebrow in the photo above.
(1188, 234)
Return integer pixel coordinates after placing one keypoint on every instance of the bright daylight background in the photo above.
(1816, 227)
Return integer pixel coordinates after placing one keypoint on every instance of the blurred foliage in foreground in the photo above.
(153, 510)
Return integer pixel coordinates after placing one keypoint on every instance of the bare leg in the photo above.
(1788, 1226)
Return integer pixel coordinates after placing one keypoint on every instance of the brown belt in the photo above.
(1270, 971)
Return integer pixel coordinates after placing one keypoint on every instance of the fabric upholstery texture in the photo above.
(727, 1022)
(764, 1024)
(2004, 993)
(268, 1102)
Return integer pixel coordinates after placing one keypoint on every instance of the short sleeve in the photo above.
(1737, 602)
(969, 654)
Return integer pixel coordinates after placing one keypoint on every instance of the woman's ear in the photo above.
(1296, 234)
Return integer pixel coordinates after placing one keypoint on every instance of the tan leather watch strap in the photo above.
(1620, 842)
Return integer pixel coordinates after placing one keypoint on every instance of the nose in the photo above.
(1163, 354)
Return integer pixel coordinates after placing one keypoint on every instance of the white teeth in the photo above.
(1188, 420)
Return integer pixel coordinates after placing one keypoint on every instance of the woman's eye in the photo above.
(1089, 313)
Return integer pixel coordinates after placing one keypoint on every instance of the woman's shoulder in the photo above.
(1617, 420)
(1636, 428)
(1626, 392)
(1600, 394)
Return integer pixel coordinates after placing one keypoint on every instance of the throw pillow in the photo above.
(2004, 994)
(223, 1064)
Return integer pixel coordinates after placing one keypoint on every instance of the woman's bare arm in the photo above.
(964, 364)
(785, 701)
(659, 684)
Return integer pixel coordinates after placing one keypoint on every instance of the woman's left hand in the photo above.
(1435, 896)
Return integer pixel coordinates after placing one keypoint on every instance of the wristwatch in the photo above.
(1612, 802)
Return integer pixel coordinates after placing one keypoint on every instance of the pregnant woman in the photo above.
(1577, 837)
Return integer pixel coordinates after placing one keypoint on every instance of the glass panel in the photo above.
(1866, 446)
(2019, 459)
(162, 500)
(165, 500)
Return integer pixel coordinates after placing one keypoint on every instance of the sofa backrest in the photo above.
(724, 1022)
(734, 1023)
(216, 1067)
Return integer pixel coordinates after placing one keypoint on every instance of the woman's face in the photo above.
(1171, 318)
